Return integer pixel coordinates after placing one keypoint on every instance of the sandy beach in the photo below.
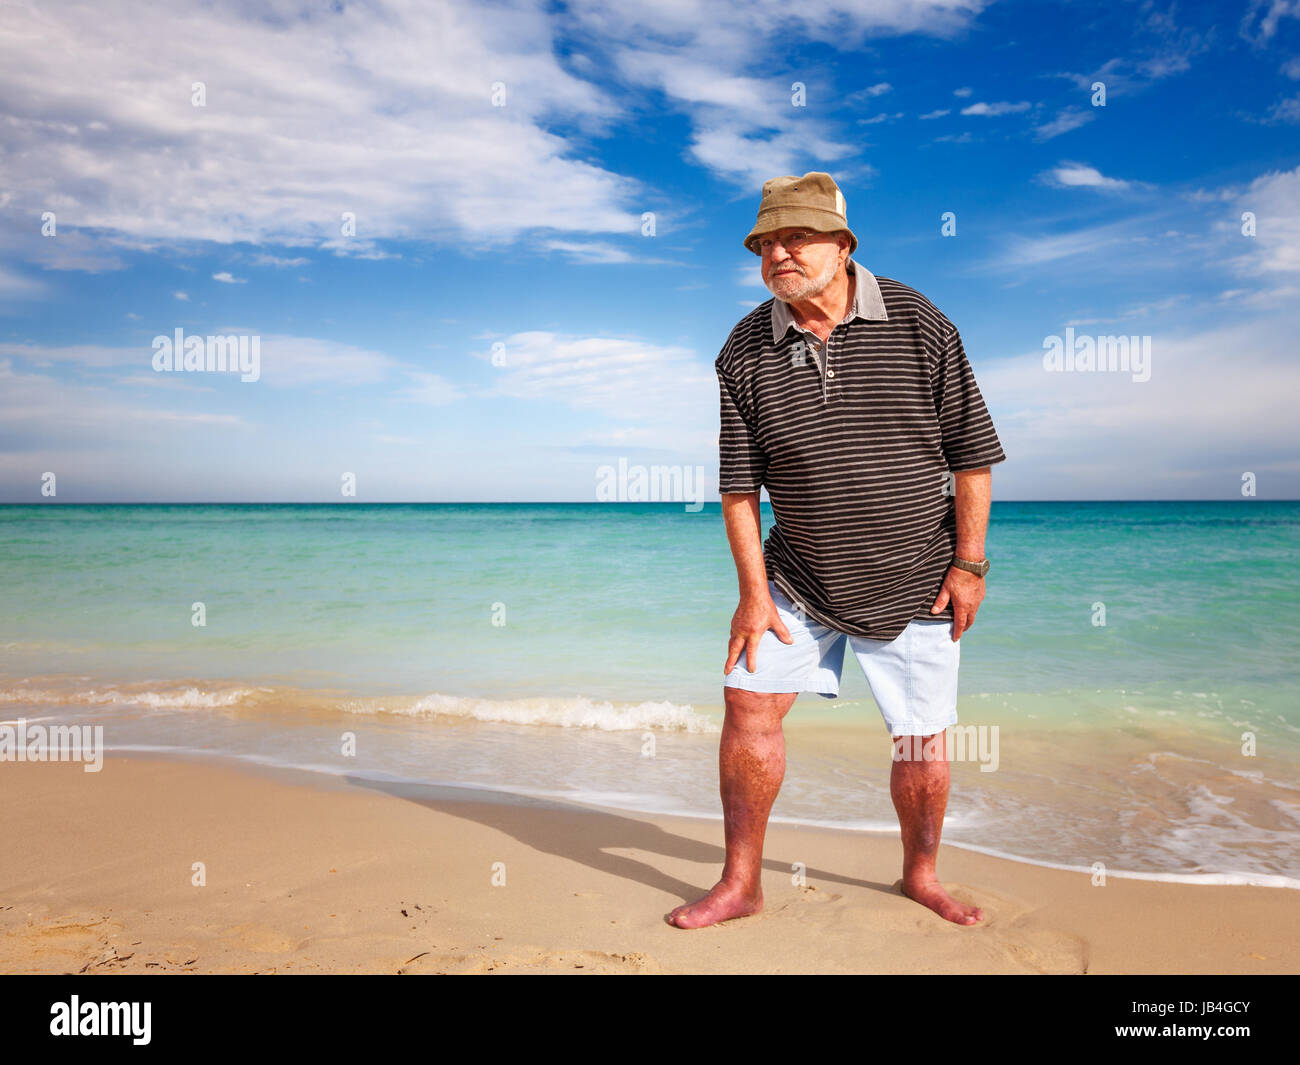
(305, 873)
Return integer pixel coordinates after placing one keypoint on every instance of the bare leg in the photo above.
(919, 788)
(751, 766)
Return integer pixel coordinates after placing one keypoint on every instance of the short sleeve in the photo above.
(742, 463)
(969, 440)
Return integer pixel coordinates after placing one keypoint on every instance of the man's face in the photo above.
(802, 270)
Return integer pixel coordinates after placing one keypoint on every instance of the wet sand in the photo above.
(304, 873)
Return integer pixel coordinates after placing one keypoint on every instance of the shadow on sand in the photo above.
(603, 832)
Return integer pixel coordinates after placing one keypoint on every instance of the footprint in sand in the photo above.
(809, 893)
(812, 893)
(1010, 935)
(532, 959)
(259, 938)
(67, 943)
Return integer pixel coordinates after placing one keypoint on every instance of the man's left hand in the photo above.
(966, 591)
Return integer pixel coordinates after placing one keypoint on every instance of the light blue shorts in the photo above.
(913, 678)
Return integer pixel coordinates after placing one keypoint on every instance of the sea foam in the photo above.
(572, 712)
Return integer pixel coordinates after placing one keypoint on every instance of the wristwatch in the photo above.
(977, 568)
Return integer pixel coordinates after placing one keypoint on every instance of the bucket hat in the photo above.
(813, 201)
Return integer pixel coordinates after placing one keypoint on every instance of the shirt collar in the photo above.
(867, 303)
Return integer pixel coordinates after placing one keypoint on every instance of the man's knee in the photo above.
(757, 711)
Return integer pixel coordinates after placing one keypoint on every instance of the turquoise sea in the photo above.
(576, 650)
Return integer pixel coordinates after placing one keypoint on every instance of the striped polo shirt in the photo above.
(855, 441)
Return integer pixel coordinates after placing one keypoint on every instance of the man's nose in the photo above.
(778, 254)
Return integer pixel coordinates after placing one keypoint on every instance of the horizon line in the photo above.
(521, 502)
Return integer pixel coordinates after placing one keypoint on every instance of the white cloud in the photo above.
(262, 259)
(1081, 176)
(745, 129)
(993, 110)
(590, 252)
(600, 252)
(1273, 298)
(630, 380)
(42, 410)
(1260, 23)
(697, 83)
(1069, 119)
(383, 109)
(1197, 229)
(1285, 110)
(750, 274)
(1108, 73)
(937, 114)
(1105, 244)
(115, 446)
(1274, 198)
(715, 62)
(293, 361)
(749, 158)
(1217, 403)
(431, 390)
(227, 278)
(286, 361)
(92, 355)
(16, 286)
(168, 382)
(67, 250)
(734, 30)
(1161, 49)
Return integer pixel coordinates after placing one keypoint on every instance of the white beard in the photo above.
(810, 286)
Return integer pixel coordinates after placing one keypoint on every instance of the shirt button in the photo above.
(830, 373)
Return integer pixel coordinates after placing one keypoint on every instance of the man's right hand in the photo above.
(752, 618)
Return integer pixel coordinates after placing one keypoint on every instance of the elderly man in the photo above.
(851, 399)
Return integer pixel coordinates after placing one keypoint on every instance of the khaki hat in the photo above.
(813, 200)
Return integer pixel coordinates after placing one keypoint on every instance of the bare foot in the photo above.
(723, 902)
(930, 893)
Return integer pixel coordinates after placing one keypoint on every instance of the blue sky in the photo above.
(521, 226)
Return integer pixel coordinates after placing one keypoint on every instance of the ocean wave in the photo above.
(574, 712)
(177, 699)
(664, 805)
